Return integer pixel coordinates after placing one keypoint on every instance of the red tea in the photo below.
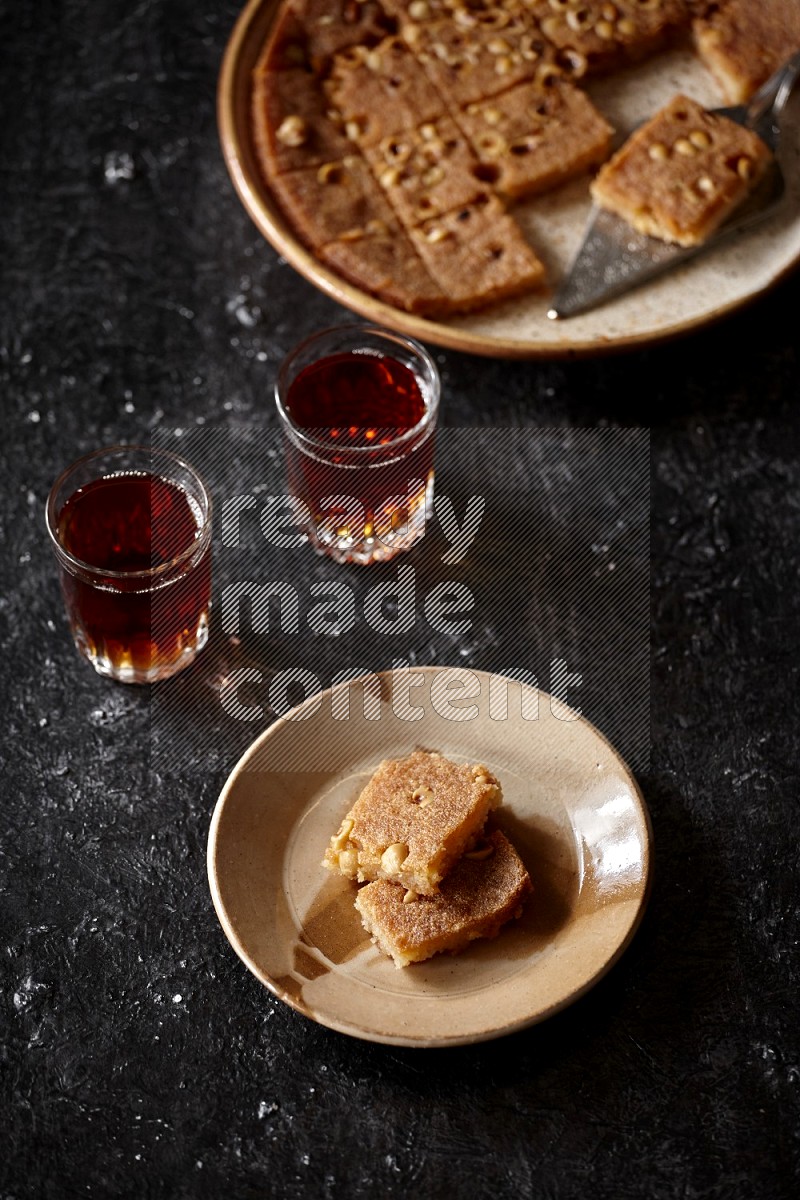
(365, 468)
(143, 621)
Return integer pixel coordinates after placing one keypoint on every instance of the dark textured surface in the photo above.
(139, 1058)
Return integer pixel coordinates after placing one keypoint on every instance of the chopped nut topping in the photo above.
(395, 151)
(339, 840)
(436, 233)
(626, 27)
(394, 856)
(409, 896)
(329, 173)
(292, 131)
(604, 30)
(419, 10)
(547, 75)
(744, 167)
(353, 130)
(481, 851)
(684, 146)
(699, 138)
(579, 19)
(658, 152)
(433, 176)
(422, 795)
(706, 185)
(493, 145)
(348, 862)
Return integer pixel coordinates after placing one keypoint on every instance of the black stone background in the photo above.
(137, 295)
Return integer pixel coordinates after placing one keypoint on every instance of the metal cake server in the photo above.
(614, 258)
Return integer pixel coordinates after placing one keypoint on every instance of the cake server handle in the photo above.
(765, 108)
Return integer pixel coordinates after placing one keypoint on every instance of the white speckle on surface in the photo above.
(118, 165)
(129, 406)
(176, 999)
(25, 558)
(34, 416)
(265, 1108)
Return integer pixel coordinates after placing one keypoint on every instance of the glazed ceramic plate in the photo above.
(705, 289)
(571, 807)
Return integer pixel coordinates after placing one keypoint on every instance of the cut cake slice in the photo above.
(291, 126)
(482, 892)
(743, 42)
(382, 259)
(413, 821)
(680, 175)
(534, 138)
(471, 63)
(598, 35)
(332, 200)
(478, 254)
(426, 171)
(381, 91)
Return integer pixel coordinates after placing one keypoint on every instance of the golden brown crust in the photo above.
(334, 25)
(682, 173)
(744, 41)
(534, 138)
(290, 123)
(598, 35)
(468, 64)
(412, 821)
(426, 171)
(331, 200)
(477, 254)
(477, 898)
(383, 260)
(381, 91)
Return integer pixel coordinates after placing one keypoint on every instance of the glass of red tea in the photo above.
(358, 407)
(131, 530)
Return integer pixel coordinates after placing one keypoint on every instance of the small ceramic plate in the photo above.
(705, 289)
(571, 807)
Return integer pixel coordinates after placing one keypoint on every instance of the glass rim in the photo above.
(311, 442)
(71, 560)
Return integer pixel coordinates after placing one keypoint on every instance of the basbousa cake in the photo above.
(413, 821)
(483, 891)
(682, 173)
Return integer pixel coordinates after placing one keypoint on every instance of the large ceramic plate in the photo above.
(571, 808)
(705, 289)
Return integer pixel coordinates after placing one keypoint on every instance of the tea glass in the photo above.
(362, 489)
(131, 530)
